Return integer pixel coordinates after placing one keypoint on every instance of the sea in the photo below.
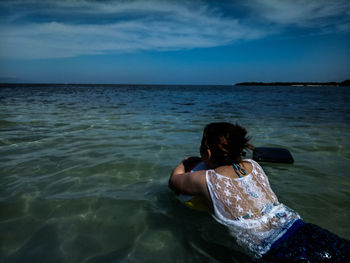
(84, 169)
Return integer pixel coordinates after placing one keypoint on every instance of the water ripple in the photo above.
(84, 169)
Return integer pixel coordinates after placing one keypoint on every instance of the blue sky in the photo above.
(174, 42)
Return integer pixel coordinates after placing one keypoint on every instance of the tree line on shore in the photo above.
(343, 83)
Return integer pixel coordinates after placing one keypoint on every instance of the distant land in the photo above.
(343, 83)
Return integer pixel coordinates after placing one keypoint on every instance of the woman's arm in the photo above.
(188, 183)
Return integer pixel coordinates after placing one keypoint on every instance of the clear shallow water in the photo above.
(84, 169)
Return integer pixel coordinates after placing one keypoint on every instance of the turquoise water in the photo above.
(84, 169)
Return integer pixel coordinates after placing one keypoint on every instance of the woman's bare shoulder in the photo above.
(247, 165)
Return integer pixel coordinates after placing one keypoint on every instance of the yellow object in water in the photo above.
(197, 203)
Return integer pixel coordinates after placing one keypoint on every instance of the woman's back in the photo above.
(242, 200)
(249, 208)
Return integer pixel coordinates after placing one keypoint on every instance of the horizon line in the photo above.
(245, 83)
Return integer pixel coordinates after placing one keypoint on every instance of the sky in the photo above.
(174, 41)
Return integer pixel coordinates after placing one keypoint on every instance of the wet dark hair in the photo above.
(226, 142)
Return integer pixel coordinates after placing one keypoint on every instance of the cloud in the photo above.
(303, 13)
(129, 26)
(53, 29)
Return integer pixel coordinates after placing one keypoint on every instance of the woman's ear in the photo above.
(208, 154)
(207, 159)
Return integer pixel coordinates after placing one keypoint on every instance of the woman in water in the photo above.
(239, 196)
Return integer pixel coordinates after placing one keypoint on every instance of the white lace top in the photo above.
(250, 209)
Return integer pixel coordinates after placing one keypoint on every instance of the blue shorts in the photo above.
(309, 243)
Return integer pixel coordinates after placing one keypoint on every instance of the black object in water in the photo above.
(274, 155)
